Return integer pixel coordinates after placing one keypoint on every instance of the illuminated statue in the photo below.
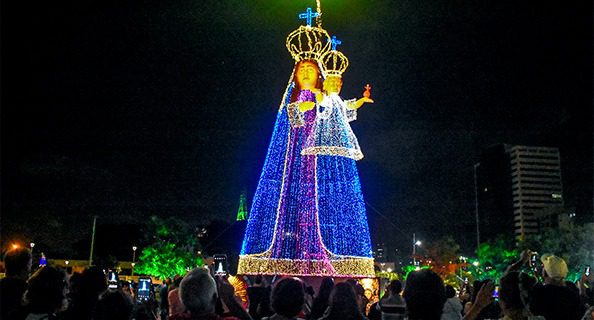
(332, 134)
(308, 215)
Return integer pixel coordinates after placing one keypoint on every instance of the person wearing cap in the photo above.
(554, 299)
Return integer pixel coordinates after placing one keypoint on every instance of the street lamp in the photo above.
(133, 258)
(415, 244)
(14, 246)
(32, 244)
(134, 253)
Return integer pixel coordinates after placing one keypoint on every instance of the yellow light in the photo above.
(14, 245)
(340, 266)
(307, 43)
(367, 283)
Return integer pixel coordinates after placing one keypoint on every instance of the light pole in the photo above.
(414, 252)
(92, 241)
(32, 244)
(133, 258)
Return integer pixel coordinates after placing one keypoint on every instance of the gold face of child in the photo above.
(307, 75)
(332, 84)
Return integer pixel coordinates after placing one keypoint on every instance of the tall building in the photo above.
(516, 187)
(380, 252)
(536, 186)
(494, 203)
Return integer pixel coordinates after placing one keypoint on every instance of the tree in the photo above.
(444, 260)
(573, 243)
(494, 257)
(173, 249)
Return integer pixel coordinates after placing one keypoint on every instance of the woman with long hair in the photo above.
(343, 304)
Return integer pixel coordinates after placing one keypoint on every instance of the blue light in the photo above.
(335, 42)
(308, 15)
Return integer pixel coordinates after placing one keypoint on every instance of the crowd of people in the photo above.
(49, 293)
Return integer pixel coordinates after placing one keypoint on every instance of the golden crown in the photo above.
(334, 62)
(307, 42)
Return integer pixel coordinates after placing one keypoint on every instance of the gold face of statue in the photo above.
(307, 75)
(332, 84)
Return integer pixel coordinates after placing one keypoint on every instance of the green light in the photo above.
(242, 213)
(166, 260)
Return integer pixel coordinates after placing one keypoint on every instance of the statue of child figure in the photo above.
(332, 134)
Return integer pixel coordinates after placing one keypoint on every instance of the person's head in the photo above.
(47, 290)
(450, 292)
(93, 282)
(17, 263)
(395, 287)
(177, 281)
(198, 291)
(113, 305)
(514, 291)
(343, 301)
(307, 75)
(555, 268)
(287, 297)
(326, 288)
(332, 84)
(424, 295)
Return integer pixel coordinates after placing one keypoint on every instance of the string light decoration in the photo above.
(334, 62)
(307, 42)
(332, 134)
(308, 215)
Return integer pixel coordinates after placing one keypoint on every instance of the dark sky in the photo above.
(125, 109)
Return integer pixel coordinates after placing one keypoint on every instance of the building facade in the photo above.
(517, 188)
(536, 186)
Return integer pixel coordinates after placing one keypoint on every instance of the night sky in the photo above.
(126, 109)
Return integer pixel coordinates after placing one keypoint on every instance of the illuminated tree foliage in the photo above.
(494, 258)
(173, 249)
(410, 268)
(573, 243)
(443, 257)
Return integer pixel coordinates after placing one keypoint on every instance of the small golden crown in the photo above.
(307, 42)
(334, 62)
